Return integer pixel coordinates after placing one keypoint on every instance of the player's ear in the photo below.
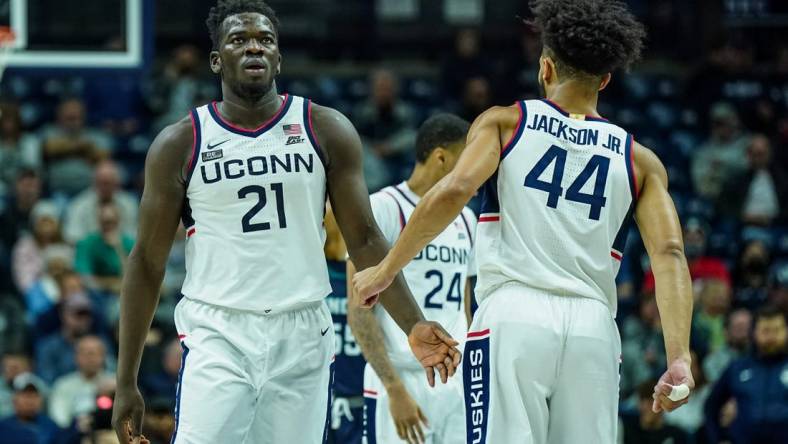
(605, 81)
(547, 70)
(216, 62)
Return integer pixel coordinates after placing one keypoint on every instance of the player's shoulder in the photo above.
(503, 116)
(173, 145)
(385, 198)
(333, 130)
(469, 215)
(646, 162)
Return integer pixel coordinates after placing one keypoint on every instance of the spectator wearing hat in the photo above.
(28, 420)
(74, 394)
(13, 363)
(722, 155)
(28, 255)
(81, 215)
(55, 352)
(101, 256)
(758, 384)
(759, 195)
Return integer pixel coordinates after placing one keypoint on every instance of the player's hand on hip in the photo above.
(368, 284)
(127, 414)
(435, 349)
(407, 416)
(674, 387)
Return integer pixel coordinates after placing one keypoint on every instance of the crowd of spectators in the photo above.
(70, 183)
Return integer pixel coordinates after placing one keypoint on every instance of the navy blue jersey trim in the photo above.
(620, 241)
(402, 220)
(489, 192)
(310, 132)
(629, 161)
(402, 193)
(467, 226)
(179, 390)
(196, 144)
(506, 149)
(288, 100)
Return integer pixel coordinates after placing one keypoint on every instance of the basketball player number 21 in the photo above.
(557, 155)
(246, 221)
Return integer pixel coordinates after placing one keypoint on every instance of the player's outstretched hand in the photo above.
(407, 415)
(678, 374)
(435, 349)
(127, 413)
(369, 283)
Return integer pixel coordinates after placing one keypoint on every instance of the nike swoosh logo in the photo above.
(323, 333)
(210, 147)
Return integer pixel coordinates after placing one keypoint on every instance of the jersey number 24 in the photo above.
(557, 156)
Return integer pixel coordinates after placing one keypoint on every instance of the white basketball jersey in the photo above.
(255, 201)
(556, 213)
(436, 277)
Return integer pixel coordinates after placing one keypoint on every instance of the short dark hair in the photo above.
(590, 36)
(226, 8)
(768, 311)
(440, 130)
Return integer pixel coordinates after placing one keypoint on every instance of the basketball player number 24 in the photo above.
(279, 195)
(557, 155)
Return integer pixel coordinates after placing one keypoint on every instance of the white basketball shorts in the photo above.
(252, 378)
(541, 369)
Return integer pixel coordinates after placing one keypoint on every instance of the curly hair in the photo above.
(588, 36)
(226, 8)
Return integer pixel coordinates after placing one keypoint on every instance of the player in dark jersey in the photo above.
(347, 409)
(246, 56)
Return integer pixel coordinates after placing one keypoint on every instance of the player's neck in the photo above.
(246, 112)
(575, 98)
(422, 179)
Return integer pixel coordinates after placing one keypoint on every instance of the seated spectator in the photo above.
(101, 256)
(758, 196)
(45, 292)
(55, 353)
(708, 322)
(757, 385)
(722, 155)
(29, 416)
(752, 275)
(642, 347)
(14, 364)
(18, 149)
(81, 220)
(476, 98)
(13, 331)
(738, 325)
(163, 384)
(71, 148)
(649, 427)
(74, 394)
(15, 216)
(387, 126)
(690, 417)
(28, 255)
(701, 265)
(466, 62)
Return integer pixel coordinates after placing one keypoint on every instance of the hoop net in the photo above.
(7, 39)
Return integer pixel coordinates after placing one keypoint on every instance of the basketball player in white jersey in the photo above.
(560, 186)
(249, 177)
(398, 404)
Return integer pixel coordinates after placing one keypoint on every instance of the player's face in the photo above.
(248, 57)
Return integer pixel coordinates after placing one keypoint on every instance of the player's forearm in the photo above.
(369, 336)
(397, 300)
(674, 299)
(436, 210)
(138, 299)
